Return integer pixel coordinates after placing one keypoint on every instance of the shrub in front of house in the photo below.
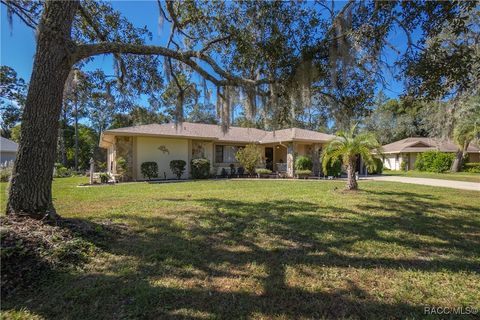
(262, 172)
(334, 169)
(303, 173)
(241, 171)
(5, 174)
(424, 160)
(434, 161)
(122, 167)
(6, 171)
(177, 167)
(443, 162)
(471, 167)
(104, 177)
(249, 157)
(223, 173)
(61, 172)
(377, 168)
(403, 166)
(200, 168)
(303, 163)
(149, 169)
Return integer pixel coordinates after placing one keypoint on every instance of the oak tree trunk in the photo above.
(31, 187)
(352, 181)
(63, 138)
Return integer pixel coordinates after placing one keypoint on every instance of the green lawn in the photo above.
(265, 250)
(459, 176)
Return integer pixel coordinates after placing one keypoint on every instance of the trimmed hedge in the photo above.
(303, 163)
(303, 173)
(149, 170)
(434, 161)
(263, 171)
(471, 167)
(178, 167)
(200, 168)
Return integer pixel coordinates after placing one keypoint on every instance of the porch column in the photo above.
(316, 158)
(290, 159)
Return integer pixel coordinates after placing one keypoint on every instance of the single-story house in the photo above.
(406, 150)
(8, 150)
(162, 143)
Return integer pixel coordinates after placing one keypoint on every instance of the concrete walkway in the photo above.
(463, 185)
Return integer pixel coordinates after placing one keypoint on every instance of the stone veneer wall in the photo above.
(198, 149)
(124, 149)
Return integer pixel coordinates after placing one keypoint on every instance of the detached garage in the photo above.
(406, 151)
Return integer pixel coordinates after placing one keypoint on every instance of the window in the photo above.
(226, 154)
(218, 154)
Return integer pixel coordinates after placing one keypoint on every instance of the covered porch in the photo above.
(280, 157)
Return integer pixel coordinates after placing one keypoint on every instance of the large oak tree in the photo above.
(273, 54)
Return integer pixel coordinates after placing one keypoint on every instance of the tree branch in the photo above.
(21, 13)
(176, 23)
(407, 33)
(212, 42)
(103, 37)
(87, 50)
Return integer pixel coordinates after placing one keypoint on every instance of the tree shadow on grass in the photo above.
(232, 261)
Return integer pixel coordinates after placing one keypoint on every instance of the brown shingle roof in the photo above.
(424, 144)
(295, 134)
(216, 132)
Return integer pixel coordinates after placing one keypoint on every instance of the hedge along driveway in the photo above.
(463, 185)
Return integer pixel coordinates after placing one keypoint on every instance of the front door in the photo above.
(269, 158)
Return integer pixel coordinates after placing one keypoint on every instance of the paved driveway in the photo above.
(464, 185)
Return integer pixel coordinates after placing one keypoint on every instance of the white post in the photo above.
(92, 169)
(291, 159)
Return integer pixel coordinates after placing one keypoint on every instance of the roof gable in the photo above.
(419, 144)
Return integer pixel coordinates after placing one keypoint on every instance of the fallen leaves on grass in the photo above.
(30, 247)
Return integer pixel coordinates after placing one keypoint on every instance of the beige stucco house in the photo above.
(406, 150)
(186, 141)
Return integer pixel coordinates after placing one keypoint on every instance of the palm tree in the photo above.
(347, 146)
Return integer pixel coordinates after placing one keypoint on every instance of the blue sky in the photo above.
(18, 43)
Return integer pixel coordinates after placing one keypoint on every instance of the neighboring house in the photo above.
(8, 150)
(186, 141)
(406, 150)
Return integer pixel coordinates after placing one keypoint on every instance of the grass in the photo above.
(458, 176)
(264, 250)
